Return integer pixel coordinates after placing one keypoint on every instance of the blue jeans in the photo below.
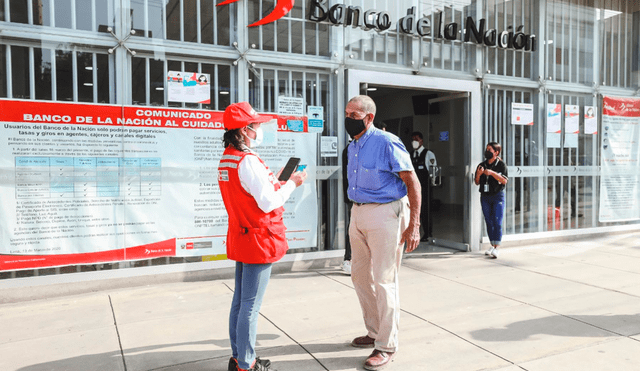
(251, 283)
(493, 210)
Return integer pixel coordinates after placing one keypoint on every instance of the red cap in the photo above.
(239, 115)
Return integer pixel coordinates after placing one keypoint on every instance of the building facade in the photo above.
(452, 70)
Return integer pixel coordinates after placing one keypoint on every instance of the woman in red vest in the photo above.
(254, 200)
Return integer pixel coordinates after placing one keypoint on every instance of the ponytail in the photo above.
(234, 138)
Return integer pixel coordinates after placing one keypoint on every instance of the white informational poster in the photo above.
(85, 183)
(521, 114)
(571, 125)
(188, 87)
(590, 120)
(571, 119)
(315, 115)
(554, 118)
(328, 146)
(290, 106)
(620, 160)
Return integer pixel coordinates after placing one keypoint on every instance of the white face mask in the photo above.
(415, 144)
(259, 136)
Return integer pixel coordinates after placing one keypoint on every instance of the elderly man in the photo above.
(386, 213)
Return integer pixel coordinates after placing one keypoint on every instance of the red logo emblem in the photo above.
(282, 8)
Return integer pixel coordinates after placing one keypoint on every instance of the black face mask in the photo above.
(488, 155)
(353, 127)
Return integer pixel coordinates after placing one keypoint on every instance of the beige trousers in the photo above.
(376, 253)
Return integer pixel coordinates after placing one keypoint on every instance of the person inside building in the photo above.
(380, 125)
(422, 159)
(386, 213)
(491, 176)
(254, 198)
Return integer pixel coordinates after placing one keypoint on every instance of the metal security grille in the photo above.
(264, 89)
(554, 186)
(389, 47)
(501, 15)
(149, 77)
(577, 33)
(291, 34)
(520, 148)
(87, 15)
(196, 21)
(571, 192)
(616, 23)
(57, 74)
(445, 54)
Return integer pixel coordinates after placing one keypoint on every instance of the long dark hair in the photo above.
(234, 138)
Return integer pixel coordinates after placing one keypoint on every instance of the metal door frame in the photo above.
(472, 220)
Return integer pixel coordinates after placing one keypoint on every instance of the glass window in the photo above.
(3, 75)
(76, 14)
(42, 60)
(63, 13)
(84, 15)
(85, 76)
(206, 22)
(156, 16)
(173, 18)
(41, 13)
(158, 78)
(219, 79)
(64, 75)
(18, 11)
(2, 11)
(570, 41)
(104, 78)
(509, 16)
(20, 76)
(521, 147)
(182, 20)
(105, 15)
(138, 81)
(616, 21)
(292, 33)
(190, 20)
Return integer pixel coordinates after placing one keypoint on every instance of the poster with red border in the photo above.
(620, 160)
(86, 183)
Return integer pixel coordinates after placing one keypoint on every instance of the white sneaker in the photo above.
(346, 266)
(495, 253)
(490, 251)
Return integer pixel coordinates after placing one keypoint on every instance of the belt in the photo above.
(361, 203)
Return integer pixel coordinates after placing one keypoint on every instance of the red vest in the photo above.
(253, 237)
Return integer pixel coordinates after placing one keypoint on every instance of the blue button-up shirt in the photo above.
(374, 163)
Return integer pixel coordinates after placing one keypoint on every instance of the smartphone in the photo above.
(301, 167)
(292, 165)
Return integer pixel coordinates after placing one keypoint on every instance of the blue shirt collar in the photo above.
(367, 134)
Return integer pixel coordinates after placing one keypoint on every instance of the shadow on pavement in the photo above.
(557, 326)
(204, 360)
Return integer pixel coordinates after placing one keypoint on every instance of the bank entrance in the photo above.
(441, 109)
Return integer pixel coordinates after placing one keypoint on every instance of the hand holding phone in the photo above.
(289, 168)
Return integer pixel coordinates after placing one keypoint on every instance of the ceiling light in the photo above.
(607, 13)
(224, 93)
(88, 84)
(90, 68)
(372, 89)
(159, 88)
